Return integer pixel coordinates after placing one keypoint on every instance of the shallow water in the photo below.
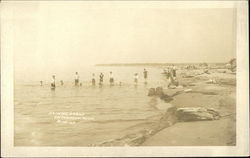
(86, 115)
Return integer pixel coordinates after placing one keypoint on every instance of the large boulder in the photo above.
(197, 114)
(156, 91)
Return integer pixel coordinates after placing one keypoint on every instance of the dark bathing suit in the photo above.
(174, 73)
(53, 86)
(136, 80)
(76, 81)
(145, 74)
(93, 81)
(101, 78)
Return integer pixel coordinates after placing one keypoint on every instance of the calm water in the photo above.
(87, 115)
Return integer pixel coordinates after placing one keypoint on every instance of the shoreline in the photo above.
(222, 132)
(220, 95)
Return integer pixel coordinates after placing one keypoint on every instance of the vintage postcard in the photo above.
(124, 78)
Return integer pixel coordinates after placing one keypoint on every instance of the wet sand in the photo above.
(220, 132)
(205, 133)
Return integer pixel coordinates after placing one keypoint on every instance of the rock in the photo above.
(168, 119)
(188, 76)
(211, 81)
(179, 87)
(231, 82)
(176, 83)
(159, 91)
(173, 83)
(151, 92)
(197, 114)
(166, 98)
(206, 71)
(156, 91)
(171, 86)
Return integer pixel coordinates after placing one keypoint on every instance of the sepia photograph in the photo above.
(124, 74)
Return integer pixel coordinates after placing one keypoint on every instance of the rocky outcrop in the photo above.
(159, 93)
(151, 92)
(166, 98)
(172, 115)
(197, 114)
(156, 91)
(191, 113)
(135, 139)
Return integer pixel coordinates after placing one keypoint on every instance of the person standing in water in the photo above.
(76, 79)
(41, 83)
(93, 79)
(136, 76)
(101, 78)
(111, 79)
(61, 82)
(174, 71)
(145, 74)
(53, 82)
(168, 71)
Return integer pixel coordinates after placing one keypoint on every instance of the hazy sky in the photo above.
(53, 35)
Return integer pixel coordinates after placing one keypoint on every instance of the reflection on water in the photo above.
(45, 117)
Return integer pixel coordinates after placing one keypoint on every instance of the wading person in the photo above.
(136, 76)
(168, 73)
(41, 83)
(93, 79)
(174, 71)
(111, 79)
(61, 82)
(145, 74)
(53, 82)
(101, 78)
(76, 79)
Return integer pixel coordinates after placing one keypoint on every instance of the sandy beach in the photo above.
(220, 132)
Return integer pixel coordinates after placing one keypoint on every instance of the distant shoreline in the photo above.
(159, 64)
